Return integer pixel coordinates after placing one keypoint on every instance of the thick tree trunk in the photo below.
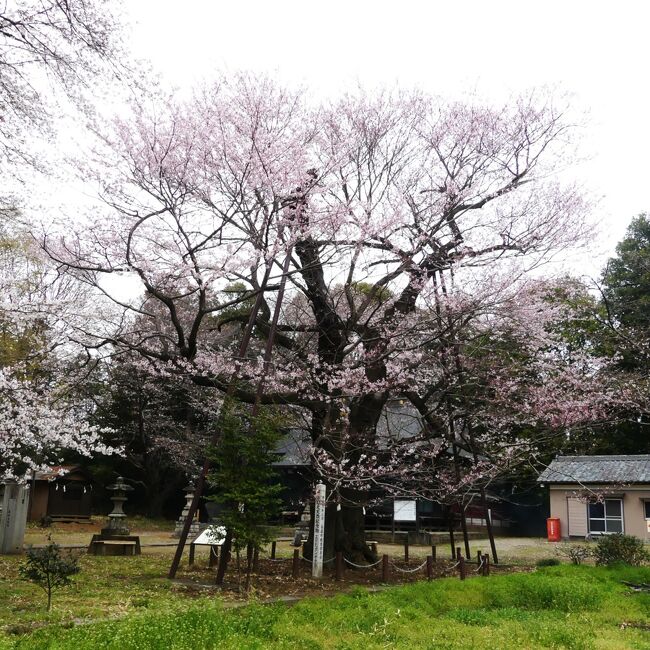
(344, 531)
(345, 520)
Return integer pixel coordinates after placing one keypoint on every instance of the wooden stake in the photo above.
(384, 568)
(429, 567)
(339, 565)
(295, 567)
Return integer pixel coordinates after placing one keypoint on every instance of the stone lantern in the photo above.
(195, 526)
(115, 538)
(117, 518)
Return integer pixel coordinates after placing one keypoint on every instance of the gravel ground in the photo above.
(156, 536)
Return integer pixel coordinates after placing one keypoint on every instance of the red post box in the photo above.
(553, 531)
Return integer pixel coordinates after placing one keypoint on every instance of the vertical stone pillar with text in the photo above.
(319, 531)
(13, 518)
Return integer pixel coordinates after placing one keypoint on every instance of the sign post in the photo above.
(319, 531)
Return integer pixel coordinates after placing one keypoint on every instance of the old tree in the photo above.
(405, 227)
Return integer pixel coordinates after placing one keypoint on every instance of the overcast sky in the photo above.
(596, 51)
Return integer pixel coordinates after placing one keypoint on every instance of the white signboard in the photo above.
(319, 531)
(404, 510)
(213, 536)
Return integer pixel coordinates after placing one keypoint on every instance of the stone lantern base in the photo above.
(114, 545)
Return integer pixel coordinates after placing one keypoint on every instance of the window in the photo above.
(647, 509)
(607, 516)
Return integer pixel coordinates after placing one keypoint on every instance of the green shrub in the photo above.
(548, 561)
(49, 568)
(620, 548)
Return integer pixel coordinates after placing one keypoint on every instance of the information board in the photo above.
(213, 536)
(404, 510)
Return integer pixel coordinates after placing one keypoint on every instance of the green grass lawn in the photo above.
(555, 607)
(102, 589)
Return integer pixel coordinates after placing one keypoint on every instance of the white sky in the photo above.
(596, 51)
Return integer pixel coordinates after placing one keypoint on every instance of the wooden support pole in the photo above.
(487, 564)
(429, 567)
(273, 547)
(488, 525)
(433, 552)
(384, 568)
(295, 566)
(406, 549)
(463, 525)
(479, 555)
(461, 567)
(191, 560)
(452, 541)
(459, 554)
(339, 565)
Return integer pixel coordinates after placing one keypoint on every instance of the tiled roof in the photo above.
(597, 469)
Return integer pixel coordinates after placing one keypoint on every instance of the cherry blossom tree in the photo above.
(39, 421)
(45, 41)
(399, 221)
(37, 428)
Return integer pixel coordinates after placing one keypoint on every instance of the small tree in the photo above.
(576, 553)
(49, 568)
(244, 478)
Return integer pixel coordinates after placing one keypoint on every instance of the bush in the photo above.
(548, 561)
(620, 548)
(49, 568)
(576, 553)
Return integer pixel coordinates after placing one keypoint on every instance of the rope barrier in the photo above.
(362, 566)
(408, 570)
(479, 566)
(451, 568)
(312, 561)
